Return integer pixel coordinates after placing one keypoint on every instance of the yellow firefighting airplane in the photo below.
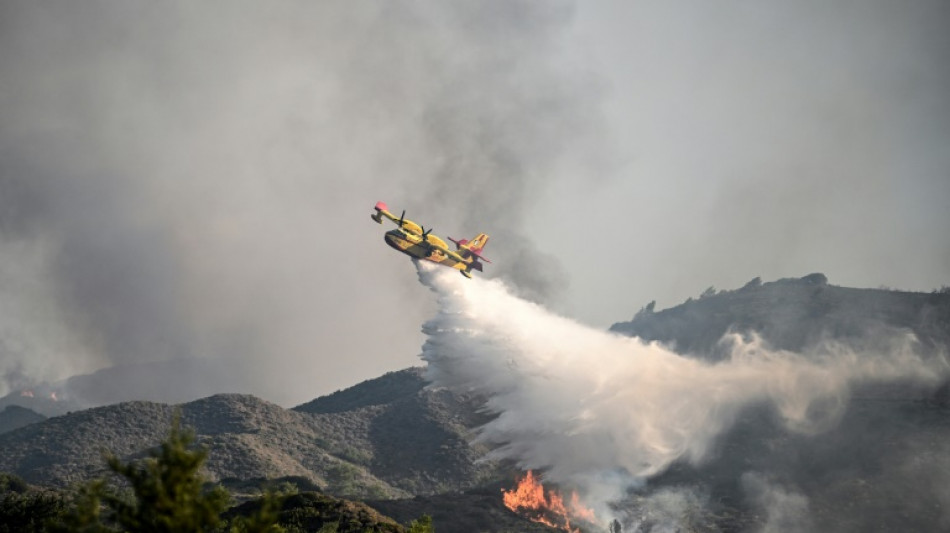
(416, 241)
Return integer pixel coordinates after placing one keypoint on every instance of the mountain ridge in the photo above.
(369, 451)
(795, 314)
(404, 446)
(16, 416)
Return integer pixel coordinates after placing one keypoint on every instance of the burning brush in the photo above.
(547, 507)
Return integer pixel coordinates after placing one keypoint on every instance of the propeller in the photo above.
(425, 233)
(402, 217)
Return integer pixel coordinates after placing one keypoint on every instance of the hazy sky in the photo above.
(194, 179)
(767, 139)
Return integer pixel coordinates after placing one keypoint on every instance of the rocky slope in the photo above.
(793, 314)
(882, 467)
(411, 442)
(417, 435)
(476, 510)
(14, 416)
(404, 447)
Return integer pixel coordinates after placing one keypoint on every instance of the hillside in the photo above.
(412, 444)
(40, 400)
(314, 511)
(27, 508)
(404, 447)
(883, 466)
(793, 314)
(417, 435)
(388, 388)
(171, 381)
(473, 510)
(14, 416)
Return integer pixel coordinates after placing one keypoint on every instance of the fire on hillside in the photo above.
(547, 507)
(28, 393)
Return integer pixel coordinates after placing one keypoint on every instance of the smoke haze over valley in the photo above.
(182, 180)
(847, 432)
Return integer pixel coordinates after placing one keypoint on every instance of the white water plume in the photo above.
(603, 412)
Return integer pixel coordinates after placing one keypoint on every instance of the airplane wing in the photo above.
(383, 211)
(450, 253)
(432, 242)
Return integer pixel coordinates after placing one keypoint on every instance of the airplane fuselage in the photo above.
(412, 245)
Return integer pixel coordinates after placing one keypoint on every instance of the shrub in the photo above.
(165, 495)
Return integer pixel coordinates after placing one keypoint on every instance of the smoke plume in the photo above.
(603, 412)
(784, 510)
(182, 180)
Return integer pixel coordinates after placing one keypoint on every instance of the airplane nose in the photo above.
(390, 239)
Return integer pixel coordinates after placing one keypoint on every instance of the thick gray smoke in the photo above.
(502, 123)
(604, 412)
(785, 510)
(182, 180)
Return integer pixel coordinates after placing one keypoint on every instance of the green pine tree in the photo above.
(167, 488)
(166, 496)
(85, 516)
(423, 524)
(264, 520)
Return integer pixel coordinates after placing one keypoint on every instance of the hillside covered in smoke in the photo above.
(845, 432)
(881, 464)
(389, 441)
(792, 405)
(406, 440)
(795, 313)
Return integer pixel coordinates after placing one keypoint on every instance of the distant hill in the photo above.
(404, 447)
(883, 467)
(413, 442)
(792, 314)
(40, 400)
(412, 429)
(388, 388)
(14, 416)
(172, 381)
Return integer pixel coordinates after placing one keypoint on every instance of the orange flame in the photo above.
(52, 396)
(580, 511)
(26, 393)
(529, 499)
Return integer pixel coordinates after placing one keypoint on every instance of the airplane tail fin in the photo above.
(473, 247)
(477, 243)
